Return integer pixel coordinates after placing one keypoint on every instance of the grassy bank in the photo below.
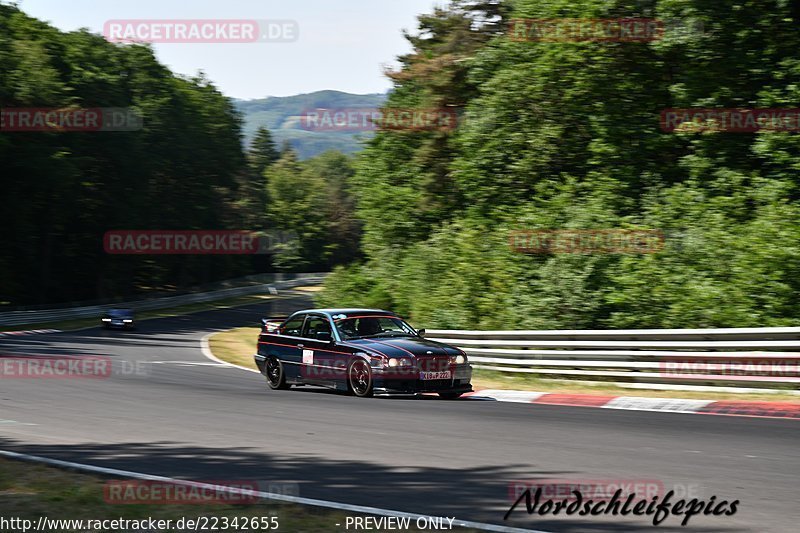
(29, 491)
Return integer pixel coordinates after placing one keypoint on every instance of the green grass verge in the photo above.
(238, 345)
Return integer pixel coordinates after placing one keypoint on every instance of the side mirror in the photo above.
(324, 336)
(421, 332)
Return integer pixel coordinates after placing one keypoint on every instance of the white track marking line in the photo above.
(265, 495)
(5, 422)
(28, 332)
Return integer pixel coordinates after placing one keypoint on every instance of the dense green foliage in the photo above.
(312, 199)
(184, 169)
(63, 191)
(553, 135)
(566, 135)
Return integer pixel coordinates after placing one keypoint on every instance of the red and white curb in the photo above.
(28, 332)
(635, 403)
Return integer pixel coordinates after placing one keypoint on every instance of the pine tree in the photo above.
(262, 152)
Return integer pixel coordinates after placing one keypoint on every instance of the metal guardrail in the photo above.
(631, 334)
(16, 318)
(759, 358)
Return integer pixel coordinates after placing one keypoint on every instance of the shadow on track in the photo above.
(478, 493)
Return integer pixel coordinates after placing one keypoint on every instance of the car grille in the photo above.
(433, 364)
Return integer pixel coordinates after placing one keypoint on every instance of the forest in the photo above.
(183, 167)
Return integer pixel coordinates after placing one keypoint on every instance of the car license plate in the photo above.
(446, 374)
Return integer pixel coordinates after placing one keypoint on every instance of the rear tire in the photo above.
(359, 378)
(450, 395)
(276, 377)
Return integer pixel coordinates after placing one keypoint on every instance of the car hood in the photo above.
(405, 346)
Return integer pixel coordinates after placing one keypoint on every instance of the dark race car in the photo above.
(364, 351)
(118, 318)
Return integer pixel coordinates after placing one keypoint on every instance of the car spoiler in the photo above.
(270, 325)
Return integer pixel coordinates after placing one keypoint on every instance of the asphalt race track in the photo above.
(182, 415)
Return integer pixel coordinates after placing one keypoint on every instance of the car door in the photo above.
(319, 355)
(289, 345)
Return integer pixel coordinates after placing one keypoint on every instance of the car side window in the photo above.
(316, 325)
(294, 326)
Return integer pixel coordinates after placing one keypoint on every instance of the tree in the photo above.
(64, 190)
(567, 136)
(311, 199)
(404, 180)
(262, 152)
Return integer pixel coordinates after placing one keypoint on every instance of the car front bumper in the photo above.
(386, 384)
(118, 325)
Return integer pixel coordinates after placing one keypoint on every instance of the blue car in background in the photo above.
(118, 319)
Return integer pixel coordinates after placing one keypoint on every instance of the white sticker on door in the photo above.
(308, 357)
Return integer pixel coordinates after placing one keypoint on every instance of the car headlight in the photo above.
(393, 362)
(405, 361)
(461, 359)
(106, 320)
(127, 321)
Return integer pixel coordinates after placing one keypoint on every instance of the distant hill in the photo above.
(282, 116)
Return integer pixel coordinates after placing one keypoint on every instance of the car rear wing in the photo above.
(270, 325)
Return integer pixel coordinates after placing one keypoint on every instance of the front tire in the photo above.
(359, 378)
(276, 377)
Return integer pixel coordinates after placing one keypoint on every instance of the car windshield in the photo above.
(359, 327)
